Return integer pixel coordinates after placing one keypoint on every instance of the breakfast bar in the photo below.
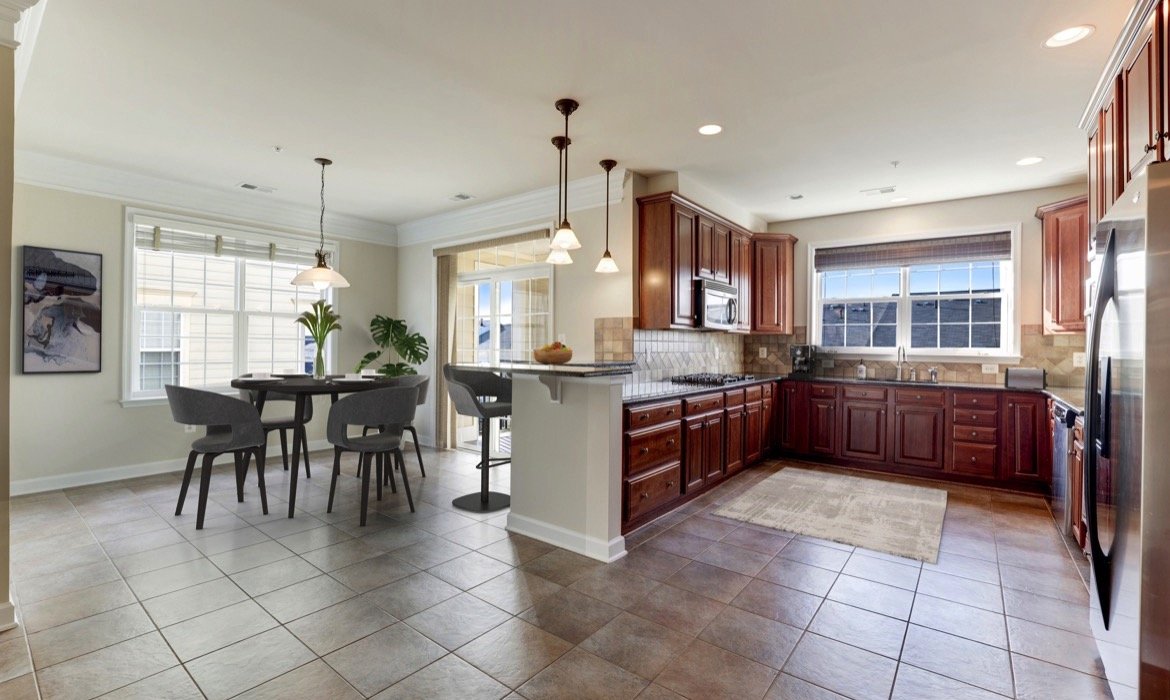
(566, 454)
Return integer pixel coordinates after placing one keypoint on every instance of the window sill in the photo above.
(1008, 359)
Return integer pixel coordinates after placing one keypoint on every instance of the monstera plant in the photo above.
(392, 334)
(320, 321)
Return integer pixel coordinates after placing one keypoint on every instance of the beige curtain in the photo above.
(444, 350)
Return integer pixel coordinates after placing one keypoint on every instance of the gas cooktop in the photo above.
(708, 379)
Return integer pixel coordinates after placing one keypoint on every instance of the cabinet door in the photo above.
(721, 253)
(754, 432)
(734, 434)
(1110, 177)
(772, 284)
(918, 436)
(1066, 236)
(1096, 196)
(1141, 144)
(822, 426)
(683, 263)
(863, 430)
(793, 419)
(1076, 489)
(705, 247)
(694, 453)
(768, 424)
(1027, 454)
(713, 446)
(741, 277)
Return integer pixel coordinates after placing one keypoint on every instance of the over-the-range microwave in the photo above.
(718, 305)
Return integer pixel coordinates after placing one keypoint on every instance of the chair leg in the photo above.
(305, 450)
(204, 487)
(390, 476)
(284, 447)
(378, 474)
(333, 480)
(365, 460)
(260, 456)
(240, 472)
(405, 483)
(417, 450)
(186, 481)
(486, 453)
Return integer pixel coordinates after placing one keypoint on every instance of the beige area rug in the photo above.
(880, 515)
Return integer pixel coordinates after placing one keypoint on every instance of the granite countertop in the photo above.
(641, 391)
(569, 369)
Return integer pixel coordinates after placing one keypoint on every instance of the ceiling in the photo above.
(416, 100)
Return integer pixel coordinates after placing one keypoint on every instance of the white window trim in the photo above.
(1011, 322)
(516, 272)
(134, 217)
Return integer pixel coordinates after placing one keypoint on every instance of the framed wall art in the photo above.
(62, 325)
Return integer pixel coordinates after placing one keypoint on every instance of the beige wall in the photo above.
(581, 295)
(1010, 208)
(68, 425)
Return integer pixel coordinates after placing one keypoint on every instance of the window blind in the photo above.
(171, 240)
(973, 248)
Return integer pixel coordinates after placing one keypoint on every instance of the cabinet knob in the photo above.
(669, 484)
(974, 400)
(918, 396)
(1149, 147)
(973, 416)
(644, 450)
(644, 416)
(645, 495)
(670, 412)
(670, 442)
(973, 459)
(974, 433)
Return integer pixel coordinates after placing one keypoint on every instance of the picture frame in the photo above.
(61, 329)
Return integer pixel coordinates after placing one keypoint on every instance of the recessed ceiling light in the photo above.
(897, 200)
(710, 129)
(1030, 160)
(1069, 36)
(796, 196)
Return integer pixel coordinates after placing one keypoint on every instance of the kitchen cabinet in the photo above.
(733, 431)
(974, 449)
(863, 423)
(1025, 456)
(792, 425)
(713, 465)
(1094, 196)
(1110, 169)
(753, 424)
(919, 427)
(1142, 136)
(666, 262)
(1065, 227)
(694, 455)
(768, 419)
(1076, 482)
(822, 419)
(741, 278)
(772, 283)
(713, 243)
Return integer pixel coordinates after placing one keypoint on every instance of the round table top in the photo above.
(305, 384)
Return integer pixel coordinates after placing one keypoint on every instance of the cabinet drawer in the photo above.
(753, 393)
(767, 389)
(655, 489)
(652, 447)
(652, 414)
(920, 397)
(974, 459)
(973, 433)
(823, 390)
(702, 404)
(866, 393)
(964, 416)
(733, 398)
(976, 399)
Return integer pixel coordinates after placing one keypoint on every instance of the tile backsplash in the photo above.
(662, 354)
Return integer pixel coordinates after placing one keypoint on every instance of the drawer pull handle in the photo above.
(974, 400)
(973, 459)
(670, 412)
(918, 396)
(669, 484)
(644, 450)
(644, 416)
(645, 495)
(974, 433)
(974, 417)
(670, 442)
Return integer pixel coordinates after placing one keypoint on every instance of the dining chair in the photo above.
(391, 408)
(283, 423)
(421, 381)
(482, 395)
(232, 426)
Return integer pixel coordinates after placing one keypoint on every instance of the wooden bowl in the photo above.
(553, 357)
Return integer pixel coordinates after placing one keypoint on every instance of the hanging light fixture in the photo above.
(556, 255)
(607, 265)
(564, 238)
(321, 276)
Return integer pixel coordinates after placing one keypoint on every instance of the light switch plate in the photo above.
(990, 369)
(827, 364)
(763, 352)
(188, 428)
(1078, 359)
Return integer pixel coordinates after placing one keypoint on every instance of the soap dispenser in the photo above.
(861, 370)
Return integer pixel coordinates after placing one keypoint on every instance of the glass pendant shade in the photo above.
(559, 256)
(606, 265)
(321, 277)
(564, 238)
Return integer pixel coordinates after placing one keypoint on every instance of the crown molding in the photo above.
(536, 205)
(55, 172)
(10, 11)
(25, 32)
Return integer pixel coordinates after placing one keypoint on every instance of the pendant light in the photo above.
(607, 265)
(559, 256)
(564, 238)
(321, 276)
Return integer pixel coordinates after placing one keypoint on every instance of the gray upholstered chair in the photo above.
(232, 426)
(283, 424)
(421, 381)
(482, 395)
(392, 409)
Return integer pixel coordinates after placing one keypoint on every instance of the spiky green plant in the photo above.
(392, 333)
(320, 320)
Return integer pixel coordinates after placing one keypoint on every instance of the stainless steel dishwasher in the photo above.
(1061, 448)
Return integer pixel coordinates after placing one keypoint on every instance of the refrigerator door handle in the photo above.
(1098, 406)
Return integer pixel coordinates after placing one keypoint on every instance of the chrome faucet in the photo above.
(933, 375)
(901, 360)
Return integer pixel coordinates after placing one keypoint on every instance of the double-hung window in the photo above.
(209, 303)
(948, 297)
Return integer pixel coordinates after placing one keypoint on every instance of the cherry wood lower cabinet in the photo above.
(1026, 454)
(792, 423)
(822, 426)
(1076, 482)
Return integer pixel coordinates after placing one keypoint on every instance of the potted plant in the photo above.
(320, 321)
(392, 333)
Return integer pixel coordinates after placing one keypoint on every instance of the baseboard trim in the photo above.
(564, 538)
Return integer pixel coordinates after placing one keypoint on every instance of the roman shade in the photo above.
(978, 247)
(228, 244)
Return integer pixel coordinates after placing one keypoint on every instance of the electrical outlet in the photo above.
(1078, 359)
(188, 428)
(763, 352)
(827, 364)
(991, 369)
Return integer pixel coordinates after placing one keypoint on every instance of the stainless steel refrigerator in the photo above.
(1127, 446)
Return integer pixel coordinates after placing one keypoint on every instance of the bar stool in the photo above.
(283, 424)
(467, 390)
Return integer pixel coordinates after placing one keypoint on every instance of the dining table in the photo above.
(303, 388)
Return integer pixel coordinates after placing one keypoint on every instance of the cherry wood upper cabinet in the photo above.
(772, 282)
(705, 249)
(1066, 238)
(1139, 85)
(741, 277)
(1109, 152)
(1095, 195)
(666, 262)
(713, 243)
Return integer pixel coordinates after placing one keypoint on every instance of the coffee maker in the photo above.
(803, 359)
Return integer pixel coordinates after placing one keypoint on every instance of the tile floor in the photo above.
(121, 599)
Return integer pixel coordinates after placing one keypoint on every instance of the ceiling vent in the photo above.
(256, 188)
(888, 189)
(461, 197)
